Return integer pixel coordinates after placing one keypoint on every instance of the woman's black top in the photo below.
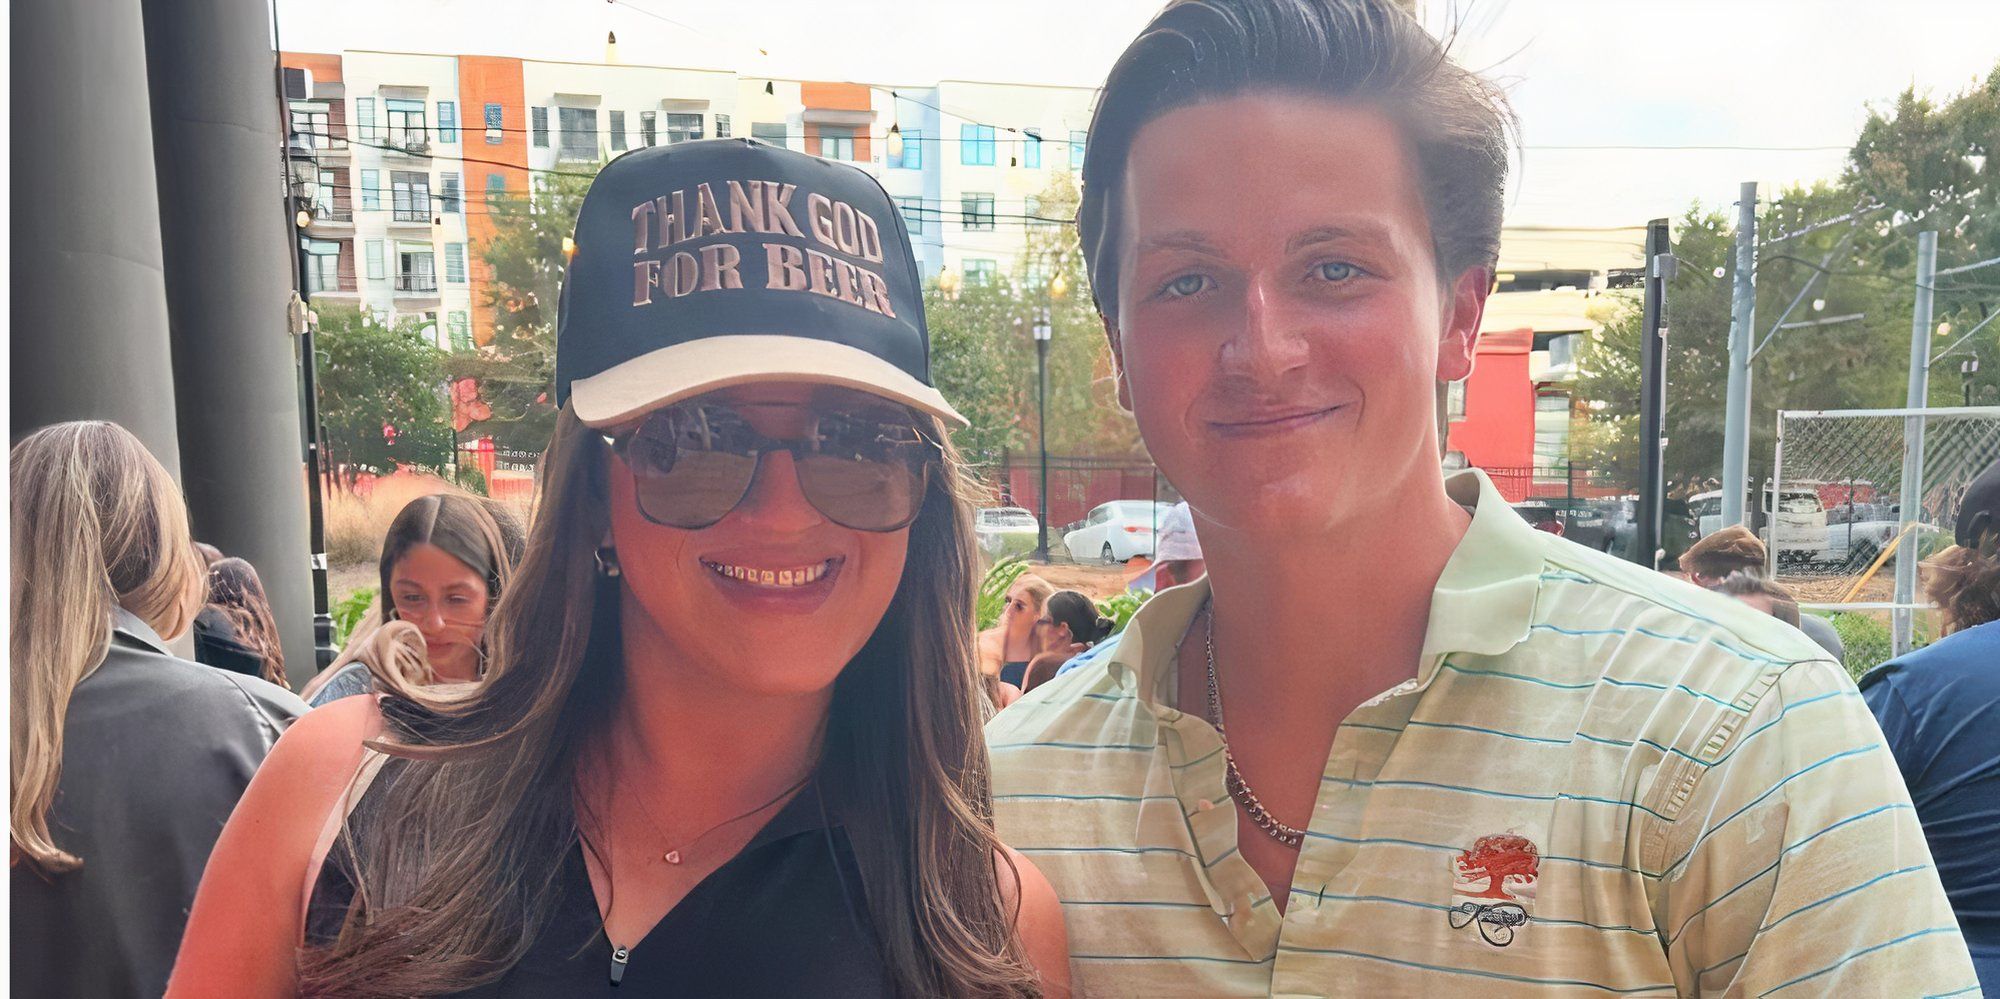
(1014, 673)
(785, 917)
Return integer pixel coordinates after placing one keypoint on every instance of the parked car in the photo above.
(1006, 530)
(1116, 531)
(1796, 530)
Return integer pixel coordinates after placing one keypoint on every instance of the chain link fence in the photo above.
(1834, 517)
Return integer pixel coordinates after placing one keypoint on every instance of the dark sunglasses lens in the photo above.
(867, 494)
(687, 468)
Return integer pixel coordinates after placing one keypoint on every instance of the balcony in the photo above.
(332, 217)
(416, 283)
(413, 142)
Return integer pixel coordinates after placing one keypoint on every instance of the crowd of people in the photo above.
(716, 721)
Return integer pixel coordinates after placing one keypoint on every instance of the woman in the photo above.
(1070, 624)
(126, 759)
(1005, 648)
(728, 744)
(242, 636)
(445, 561)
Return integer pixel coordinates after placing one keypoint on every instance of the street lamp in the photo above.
(302, 171)
(1043, 331)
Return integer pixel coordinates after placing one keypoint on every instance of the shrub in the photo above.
(357, 519)
(1864, 641)
(349, 612)
(1120, 607)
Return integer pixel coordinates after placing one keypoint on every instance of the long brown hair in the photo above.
(1965, 584)
(235, 589)
(97, 524)
(457, 868)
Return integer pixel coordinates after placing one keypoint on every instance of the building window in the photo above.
(913, 151)
(449, 197)
(1031, 210)
(407, 125)
(836, 143)
(447, 121)
(579, 133)
(371, 190)
(979, 273)
(539, 125)
(376, 272)
(774, 132)
(410, 195)
(1076, 141)
(364, 118)
(496, 125)
(722, 126)
(975, 145)
(416, 270)
(1454, 401)
(460, 331)
(313, 125)
(454, 263)
(332, 203)
(913, 214)
(1562, 350)
(496, 190)
(649, 128)
(322, 265)
(1031, 149)
(976, 212)
(1552, 420)
(618, 131)
(683, 127)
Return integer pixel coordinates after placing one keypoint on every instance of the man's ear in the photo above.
(1463, 310)
(1117, 362)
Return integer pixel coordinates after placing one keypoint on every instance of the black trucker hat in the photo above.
(1979, 510)
(706, 264)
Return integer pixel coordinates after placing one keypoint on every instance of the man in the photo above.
(1459, 753)
(1940, 711)
(1710, 562)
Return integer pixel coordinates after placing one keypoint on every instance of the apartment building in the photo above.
(415, 151)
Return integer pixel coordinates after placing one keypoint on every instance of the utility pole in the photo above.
(1646, 548)
(1913, 446)
(1742, 333)
(1044, 328)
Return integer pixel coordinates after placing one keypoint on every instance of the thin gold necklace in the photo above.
(677, 854)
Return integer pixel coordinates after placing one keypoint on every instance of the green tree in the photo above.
(514, 373)
(381, 393)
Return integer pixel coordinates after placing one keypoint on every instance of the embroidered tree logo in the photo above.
(1500, 859)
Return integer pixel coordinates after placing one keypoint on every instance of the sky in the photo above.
(1792, 76)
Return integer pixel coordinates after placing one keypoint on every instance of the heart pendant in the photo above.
(672, 857)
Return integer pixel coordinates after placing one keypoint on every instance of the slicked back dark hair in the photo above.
(1370, 52)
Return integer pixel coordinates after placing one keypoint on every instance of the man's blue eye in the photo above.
(1186, 285)
(1335, 271)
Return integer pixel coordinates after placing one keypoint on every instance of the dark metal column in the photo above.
(218, 142)
(89, 316)
(1652, 398)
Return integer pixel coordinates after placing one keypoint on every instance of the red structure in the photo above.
(1497, 429)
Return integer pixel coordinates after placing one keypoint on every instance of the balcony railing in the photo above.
(332, 213)
(417, 284)
(410, 215)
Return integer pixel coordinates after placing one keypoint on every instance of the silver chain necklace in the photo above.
(1232, 777)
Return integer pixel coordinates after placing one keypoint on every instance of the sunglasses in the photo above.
(862, 468)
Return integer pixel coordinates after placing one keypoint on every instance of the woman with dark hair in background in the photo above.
(1070, 624)
(728, 742)
(1940, 712)
(445, 561)
(250, 644)
(125, 759)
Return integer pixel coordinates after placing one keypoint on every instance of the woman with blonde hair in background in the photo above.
(125, 759)
(1005, 648)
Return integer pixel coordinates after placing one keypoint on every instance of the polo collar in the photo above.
(1485, 598)
(1484, 602)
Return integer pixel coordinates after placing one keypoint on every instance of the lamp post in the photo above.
(1966, 369)
(302, 171)
(1043, 330)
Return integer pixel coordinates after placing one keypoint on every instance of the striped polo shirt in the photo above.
(1600, 780)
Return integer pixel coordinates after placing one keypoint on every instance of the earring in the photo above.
(607, 562)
